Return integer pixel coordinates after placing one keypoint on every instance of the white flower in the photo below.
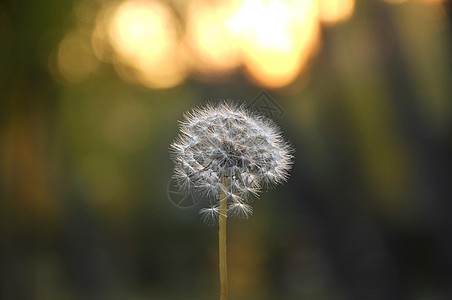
(228, 141)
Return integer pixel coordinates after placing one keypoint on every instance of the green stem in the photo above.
(222, 242)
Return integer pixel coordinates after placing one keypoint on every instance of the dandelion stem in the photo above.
(222, 241)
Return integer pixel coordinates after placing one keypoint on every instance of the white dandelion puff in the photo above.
(224, 149)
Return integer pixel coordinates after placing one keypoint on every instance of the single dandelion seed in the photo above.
(227, 154)
(209, 214)
(240, 209)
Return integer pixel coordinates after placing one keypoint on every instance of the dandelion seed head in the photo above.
(225, 140)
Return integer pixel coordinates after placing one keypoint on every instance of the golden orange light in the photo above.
(335, 11)
(75, 59)
(277, 38)
(144, 43)
(272, 39)
(214, 49)
(395, 1)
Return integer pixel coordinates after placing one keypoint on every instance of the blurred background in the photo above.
(91, 91)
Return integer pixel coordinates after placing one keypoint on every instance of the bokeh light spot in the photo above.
(75, 59)
(142, 36)
(334, 11)
(214, 48)
(395, 1)
(277, 37)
